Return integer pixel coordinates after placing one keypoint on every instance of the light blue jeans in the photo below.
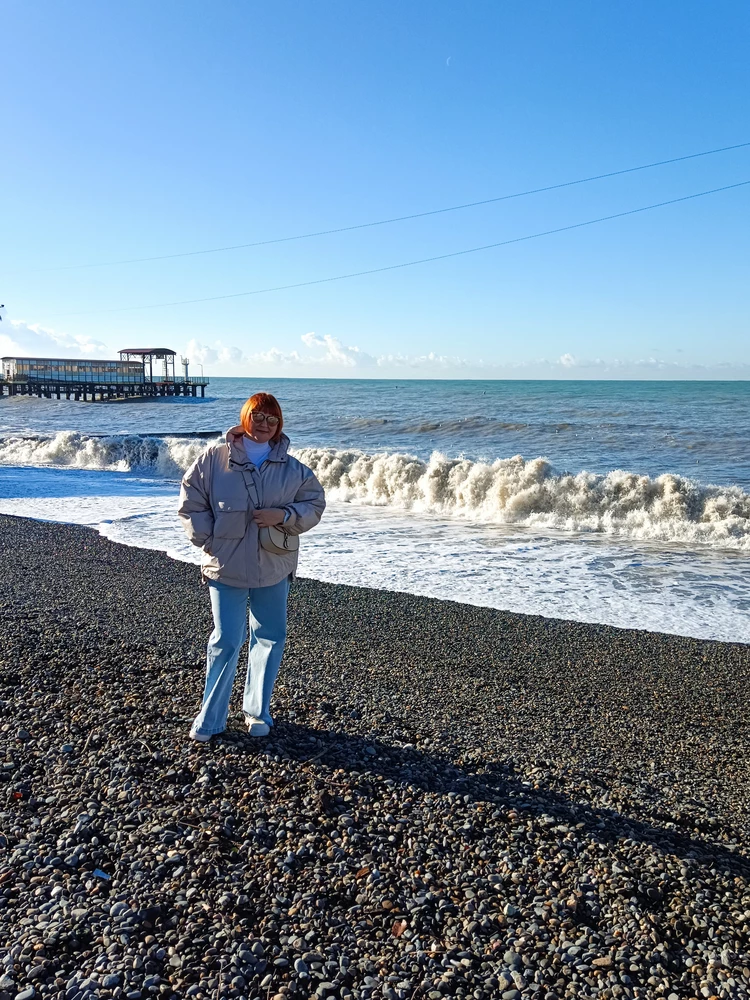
(267, 635)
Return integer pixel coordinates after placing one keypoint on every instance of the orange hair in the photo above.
(268, 404)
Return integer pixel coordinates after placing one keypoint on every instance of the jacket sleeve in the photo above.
(307, 508)
(195, 506)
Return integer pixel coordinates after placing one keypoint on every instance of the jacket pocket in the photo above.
(230, 521)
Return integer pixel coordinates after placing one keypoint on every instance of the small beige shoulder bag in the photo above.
(273, 539)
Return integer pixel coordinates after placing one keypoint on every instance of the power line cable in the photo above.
(422, 260)
(401, 218)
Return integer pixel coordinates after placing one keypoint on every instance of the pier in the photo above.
(101, 391)
(141, 373)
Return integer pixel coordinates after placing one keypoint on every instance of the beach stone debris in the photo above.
(512, 834)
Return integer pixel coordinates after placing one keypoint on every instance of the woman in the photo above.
(230, 497)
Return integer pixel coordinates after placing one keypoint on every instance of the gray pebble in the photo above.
(406, 840)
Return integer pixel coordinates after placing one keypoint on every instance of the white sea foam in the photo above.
(515, 491)
(163, 456)
(508, 491)
(590, 578)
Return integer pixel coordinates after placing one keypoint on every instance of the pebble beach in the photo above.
(454, 801)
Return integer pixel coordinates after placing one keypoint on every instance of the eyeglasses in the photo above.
(263, 418)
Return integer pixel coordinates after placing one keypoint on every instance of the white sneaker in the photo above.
(257, 727)
(199, 737)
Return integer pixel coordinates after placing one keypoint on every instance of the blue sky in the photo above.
(142, 129)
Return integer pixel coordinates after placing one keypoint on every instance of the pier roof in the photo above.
(148, 350)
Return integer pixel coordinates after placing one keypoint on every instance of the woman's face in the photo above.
(262, 426)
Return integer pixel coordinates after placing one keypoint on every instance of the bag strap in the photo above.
(251, 488)
(252, 491)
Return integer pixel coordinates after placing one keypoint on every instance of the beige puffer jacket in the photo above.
(216, 505)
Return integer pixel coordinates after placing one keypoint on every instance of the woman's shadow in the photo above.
(482, 781)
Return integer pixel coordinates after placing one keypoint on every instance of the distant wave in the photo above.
(667, 508)
(447, 428)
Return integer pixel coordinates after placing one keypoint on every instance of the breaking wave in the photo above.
(666, 508)
(155, 455)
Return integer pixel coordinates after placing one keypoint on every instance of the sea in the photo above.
(615, 502)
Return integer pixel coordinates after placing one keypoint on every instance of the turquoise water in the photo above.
(626, 503)
(696, 429)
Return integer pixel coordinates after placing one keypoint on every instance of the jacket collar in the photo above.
(237, 454)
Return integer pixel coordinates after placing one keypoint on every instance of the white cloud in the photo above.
(336, 353)
(277, 357)
(20, 338)
(200, 354)
(330, 352)
(569, 361)
(325, 351)
(328, 356)
(431, 360)
(231, 356)
(220, 354)
(622, 368)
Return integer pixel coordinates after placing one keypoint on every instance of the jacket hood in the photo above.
(237, 452)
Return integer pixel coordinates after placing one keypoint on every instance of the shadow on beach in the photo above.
(363, 757)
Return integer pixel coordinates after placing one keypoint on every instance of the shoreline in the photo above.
(704, 598)
(472, 794)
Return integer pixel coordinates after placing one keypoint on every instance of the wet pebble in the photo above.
(486, 806)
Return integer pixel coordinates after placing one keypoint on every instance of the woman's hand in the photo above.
(269, 516)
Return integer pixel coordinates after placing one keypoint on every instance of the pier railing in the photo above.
(100, 389)
(103, 380)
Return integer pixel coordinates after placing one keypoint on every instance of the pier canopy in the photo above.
(148, 355)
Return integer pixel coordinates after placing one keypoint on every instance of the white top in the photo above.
(256, 453)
